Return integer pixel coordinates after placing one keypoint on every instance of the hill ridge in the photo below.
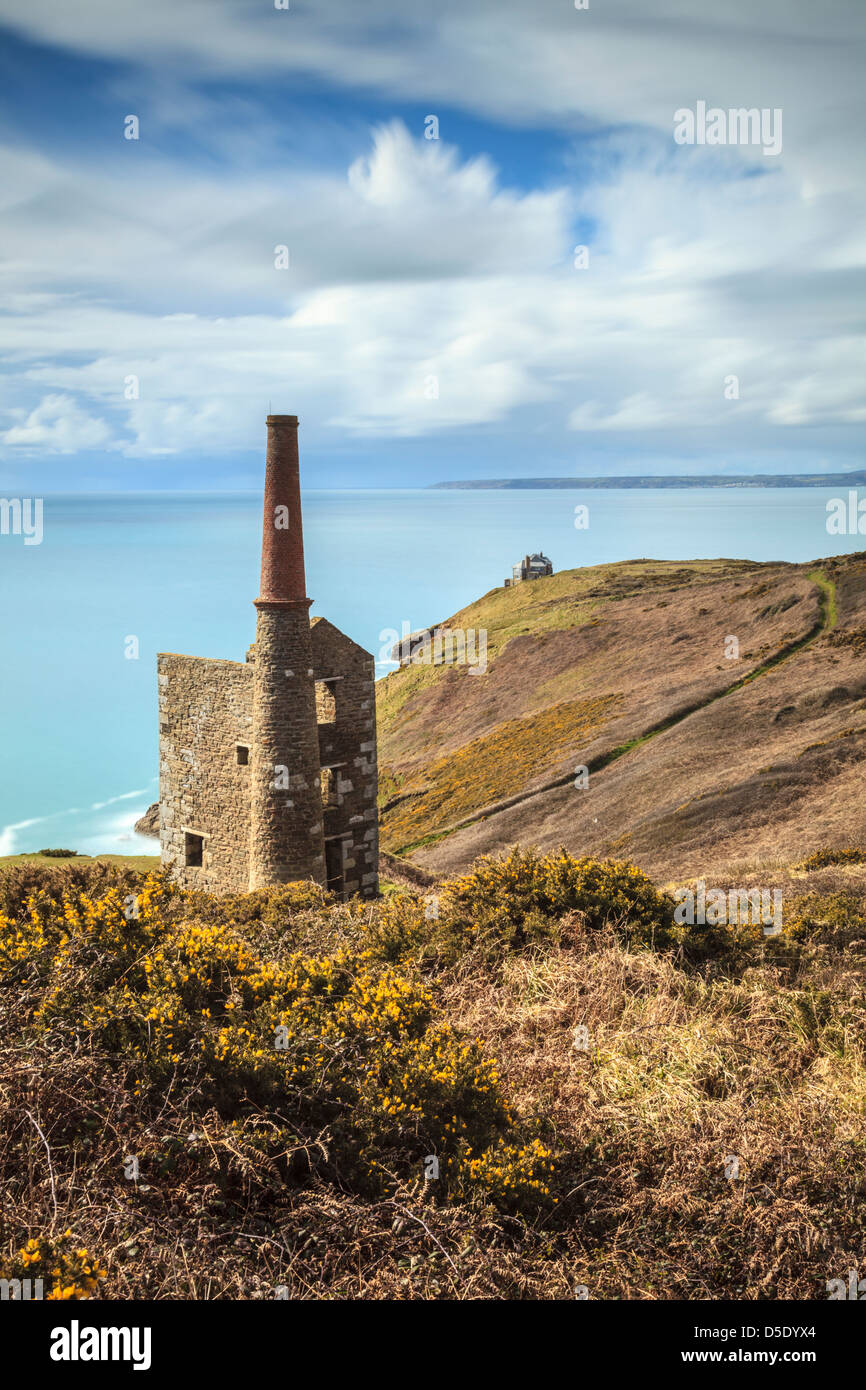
(805, 596)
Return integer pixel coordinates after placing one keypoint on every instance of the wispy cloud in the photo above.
(9, 833)
(93, 832)
(124, 796)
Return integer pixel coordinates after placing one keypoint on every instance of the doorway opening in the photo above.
(334, 865)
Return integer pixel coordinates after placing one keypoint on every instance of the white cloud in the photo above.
(123, 796)
(8, 833)
(402, 268)
(9, 836)
(411, 263)
(58, 425)
(160, 236)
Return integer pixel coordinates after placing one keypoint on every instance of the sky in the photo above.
(429, 316)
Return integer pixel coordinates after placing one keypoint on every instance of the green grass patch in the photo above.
(144, 863)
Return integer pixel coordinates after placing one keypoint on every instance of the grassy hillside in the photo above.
(696, 757)
(143, 862)
(217, 1098)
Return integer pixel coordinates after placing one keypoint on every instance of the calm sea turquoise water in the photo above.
(179, 572)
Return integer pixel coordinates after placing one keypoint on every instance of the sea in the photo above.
(118, 578)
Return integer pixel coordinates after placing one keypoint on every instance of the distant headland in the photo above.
(852, 479)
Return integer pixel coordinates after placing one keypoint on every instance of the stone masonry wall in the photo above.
(205, 712)
(348, 745)
(286, 823)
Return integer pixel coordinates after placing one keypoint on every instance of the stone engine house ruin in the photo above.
(530, 567)
(267, 769)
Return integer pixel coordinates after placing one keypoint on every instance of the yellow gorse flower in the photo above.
(346, 1041)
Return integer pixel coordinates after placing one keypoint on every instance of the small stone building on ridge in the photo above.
(530, 567)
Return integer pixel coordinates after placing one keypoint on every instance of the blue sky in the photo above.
(431, 322)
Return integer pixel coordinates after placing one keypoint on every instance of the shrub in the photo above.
(59, 853)
(520, 899)
(822, 858)
(66, 1273)
(340, 1052)
(835, 919)
(52, 882)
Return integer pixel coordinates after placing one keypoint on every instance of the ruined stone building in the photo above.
(267, 768)
(530, 567)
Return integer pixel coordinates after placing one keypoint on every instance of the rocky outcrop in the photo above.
(149, 822)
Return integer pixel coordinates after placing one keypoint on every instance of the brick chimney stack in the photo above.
(283, 577)
(286, 814)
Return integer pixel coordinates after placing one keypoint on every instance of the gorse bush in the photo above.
(810, 922)
(54, 882)
(830, 919)
(823, 858)
(525, 889)
(66, 1273)
(343, 1053)
(524, 899)
(391, 1099)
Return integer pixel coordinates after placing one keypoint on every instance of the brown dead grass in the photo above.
(762, 1057)
(772, 768)
(504, 762)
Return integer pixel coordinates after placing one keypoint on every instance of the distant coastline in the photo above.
(853, 479)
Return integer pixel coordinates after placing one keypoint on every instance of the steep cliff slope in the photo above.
(719, 707)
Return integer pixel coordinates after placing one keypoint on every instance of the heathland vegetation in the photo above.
(684, 716)
(526, 1083)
